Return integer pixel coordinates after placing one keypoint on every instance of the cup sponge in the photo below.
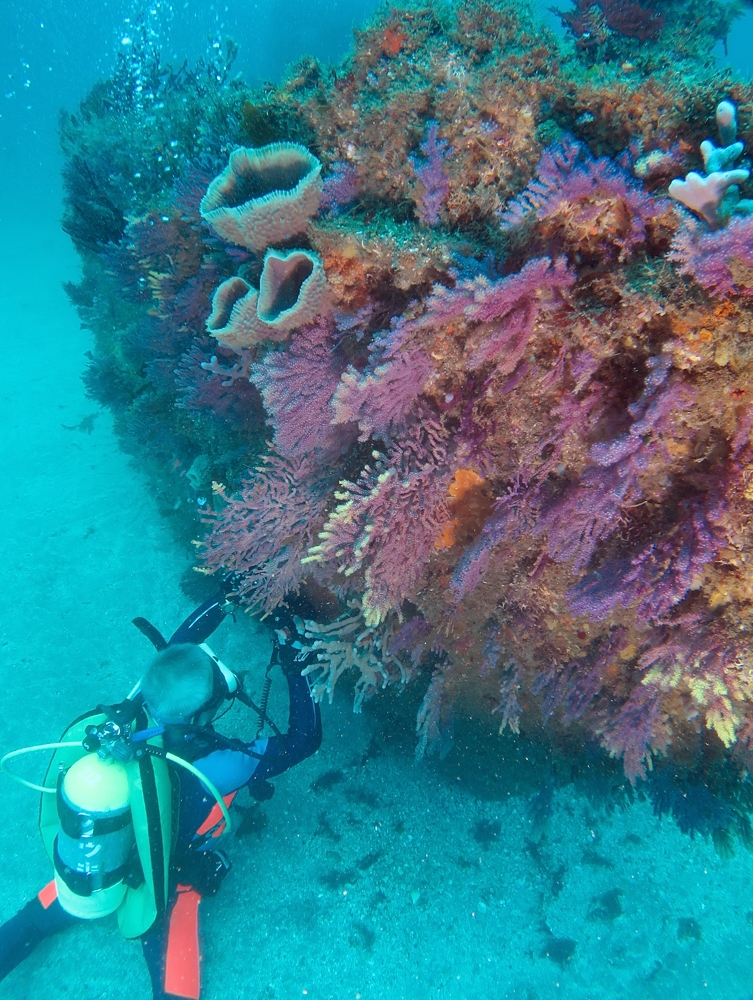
(292, 291)
(264, 195)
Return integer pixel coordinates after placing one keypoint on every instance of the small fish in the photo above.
(86, 425)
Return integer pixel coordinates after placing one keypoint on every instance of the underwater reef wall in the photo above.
(461, 333)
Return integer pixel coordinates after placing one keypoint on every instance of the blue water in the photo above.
(396, 881)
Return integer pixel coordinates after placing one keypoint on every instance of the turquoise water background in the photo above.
(386, 879)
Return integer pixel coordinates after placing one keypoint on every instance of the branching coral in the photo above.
(348, 643)
(716, 196)
(262, 534)
(584, 206)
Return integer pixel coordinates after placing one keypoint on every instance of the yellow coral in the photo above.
(723, 719)
(698, 689)
(659, 676)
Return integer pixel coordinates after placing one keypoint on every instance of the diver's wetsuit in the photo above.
(229, 770)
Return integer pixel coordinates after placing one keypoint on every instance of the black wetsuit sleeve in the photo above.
(202, 622)
(304, 735)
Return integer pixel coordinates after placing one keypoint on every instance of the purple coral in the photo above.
(634, 730)
(262, 534)
(588, 677)
(341, 188)
(516, 512)
(538, 285)
(191, 304)
(411, 639)
(588, 510)
(297, 386)
(434, 720)
(509, 707)
(190, 187)
(202, 387)
(512, 304)
(659, 577)
(387, 521)
(694, 645)
(567, 174)
(380, 400)
(443, 306)
(720, 261)
(432, 176)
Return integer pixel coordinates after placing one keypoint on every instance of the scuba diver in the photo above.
(131, 835)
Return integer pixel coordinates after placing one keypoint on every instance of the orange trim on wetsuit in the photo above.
(48, 895)
(215, 823)
(182, 959)
(182, 965)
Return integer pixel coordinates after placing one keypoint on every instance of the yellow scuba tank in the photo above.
(106, 814)
(150, 800)
(95, 837)
(143, 805)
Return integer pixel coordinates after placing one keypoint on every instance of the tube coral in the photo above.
(292, 290)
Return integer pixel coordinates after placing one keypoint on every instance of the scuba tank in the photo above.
(106, 818)
(106, 808)
(95, 837)
(109, 790)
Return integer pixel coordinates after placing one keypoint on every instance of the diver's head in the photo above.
(180, 686)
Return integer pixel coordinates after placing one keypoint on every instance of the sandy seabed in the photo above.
(366, 877)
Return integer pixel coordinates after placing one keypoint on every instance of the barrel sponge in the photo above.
(264, 195)
(233, 320)
(292, 290)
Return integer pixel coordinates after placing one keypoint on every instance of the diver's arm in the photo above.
(304, 735)
(203, 621)
(230, 770)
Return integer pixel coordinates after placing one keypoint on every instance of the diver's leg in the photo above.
(171, 949)
(20, 935)
(153, 945)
